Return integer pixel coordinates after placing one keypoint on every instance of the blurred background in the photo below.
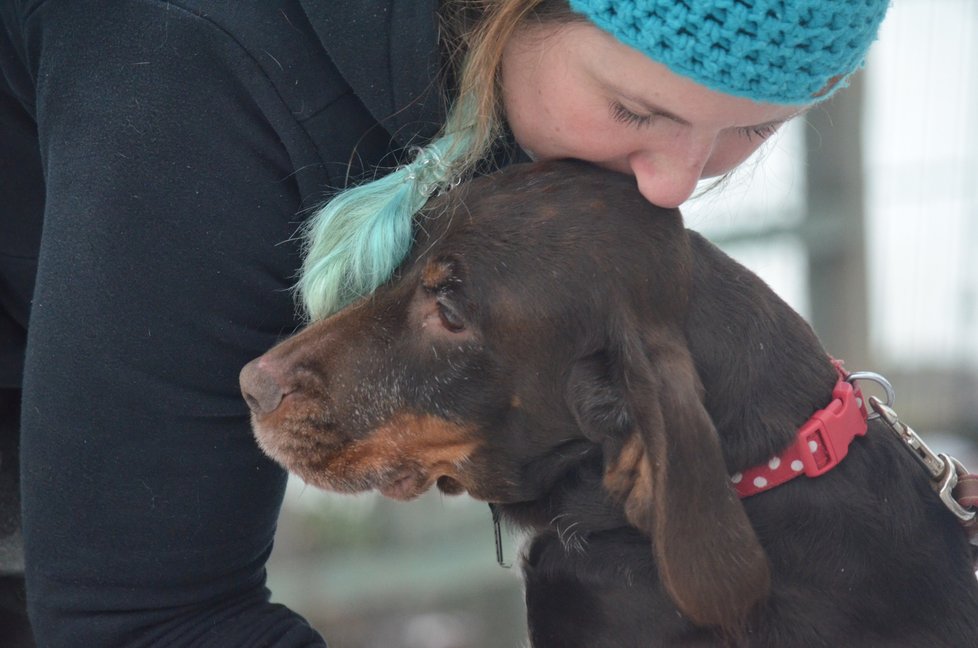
(863, 215)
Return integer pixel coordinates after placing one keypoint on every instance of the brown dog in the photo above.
(559, 347)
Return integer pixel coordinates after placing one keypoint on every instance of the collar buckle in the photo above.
(820, 444)
(823, 441)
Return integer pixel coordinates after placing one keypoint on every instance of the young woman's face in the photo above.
(574, 91)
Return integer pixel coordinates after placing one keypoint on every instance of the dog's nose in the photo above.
(261, 386)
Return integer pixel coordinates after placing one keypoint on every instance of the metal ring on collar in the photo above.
(879, 380)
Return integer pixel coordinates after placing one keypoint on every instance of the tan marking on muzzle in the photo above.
(428, 439)
(411, 449)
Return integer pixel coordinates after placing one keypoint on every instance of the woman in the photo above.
(670, 92)
(172, 149)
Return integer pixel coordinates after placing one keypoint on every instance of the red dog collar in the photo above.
(821, 443)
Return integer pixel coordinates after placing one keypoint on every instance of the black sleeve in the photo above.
(164, 266)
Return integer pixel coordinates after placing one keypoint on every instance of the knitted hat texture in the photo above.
(777, 51)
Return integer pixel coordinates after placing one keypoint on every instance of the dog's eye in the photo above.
(449, 317)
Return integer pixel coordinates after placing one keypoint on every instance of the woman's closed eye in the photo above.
(763, 131)
(626, 116)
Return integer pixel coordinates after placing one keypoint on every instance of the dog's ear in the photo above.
(642, 400)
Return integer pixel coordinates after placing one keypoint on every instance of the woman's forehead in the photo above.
(585, 52)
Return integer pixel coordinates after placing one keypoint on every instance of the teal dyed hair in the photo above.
(357, 240)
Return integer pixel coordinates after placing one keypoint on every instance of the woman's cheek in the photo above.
(729, 154)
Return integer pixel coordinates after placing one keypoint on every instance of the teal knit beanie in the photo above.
(777, 51)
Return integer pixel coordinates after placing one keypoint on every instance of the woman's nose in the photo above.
(668, 177)
(667, 188)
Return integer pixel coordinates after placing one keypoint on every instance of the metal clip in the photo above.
(943, 469)
(954, 469)
(927, 458)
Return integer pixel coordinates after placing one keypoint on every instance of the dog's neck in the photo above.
(761, 382)
(576, 506)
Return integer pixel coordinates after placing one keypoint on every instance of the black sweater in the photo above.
(171, 150)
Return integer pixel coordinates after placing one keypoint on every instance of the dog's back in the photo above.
(865, 555)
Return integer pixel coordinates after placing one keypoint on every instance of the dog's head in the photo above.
(539, 319)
